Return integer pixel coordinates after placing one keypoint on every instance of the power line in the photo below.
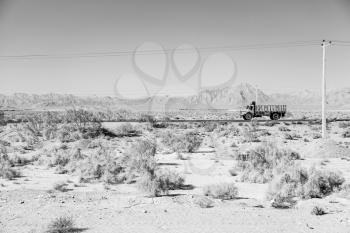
(152, 52)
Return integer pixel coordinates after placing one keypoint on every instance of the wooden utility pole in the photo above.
(324, 121)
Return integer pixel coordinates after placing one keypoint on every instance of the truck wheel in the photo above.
(248, 116)
(275, 116)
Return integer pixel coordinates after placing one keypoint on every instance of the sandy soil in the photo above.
(28, 204)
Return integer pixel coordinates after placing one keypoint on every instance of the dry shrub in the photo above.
(140, 162)
(316, 135)
(259, 164)
(283, 128)
(298, 182)
(250, 134)
(6, 166)
(227, 130)
(105, 165)
(140, 157)
(125, 129)
(346, 133)
(224, 191)
(322, 183)
(292, 136)
(210, 126)
(60, 186)
(64, 224)
(84, 122)
(161, 182)
(343, 124)
(181, 141)
(203, 202)
(317, 210)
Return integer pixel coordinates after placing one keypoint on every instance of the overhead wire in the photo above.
(153, 52)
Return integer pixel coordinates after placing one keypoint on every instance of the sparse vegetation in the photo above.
(346, 133)
(259, 164)
(298, 182)
(317, 210)
(140, 162)
(64, 224)
(203, 202)
(179, 141)
(224, 191)
(60, 186)
(6, 166)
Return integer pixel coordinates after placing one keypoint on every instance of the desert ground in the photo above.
(227, 177)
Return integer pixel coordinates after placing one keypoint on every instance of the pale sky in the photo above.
(60, 27)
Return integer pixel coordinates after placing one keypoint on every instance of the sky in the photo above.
(63, 30)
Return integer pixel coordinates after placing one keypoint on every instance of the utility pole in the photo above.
(324, 121)
(256, 94)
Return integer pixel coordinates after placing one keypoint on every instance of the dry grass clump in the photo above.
(298, 182)
(259, 164)
(346, 133)
(250, 134)
(68, 126)
(292, 136)
(203, 202)
(105, 165)
(140, 163)
(317, 210)
(161, 182)
(343, 124)
(6, 166)
(283, 128)
(224, 191)
(60, 186)
(181, 141)
(64, 224)
(125, 129)
(227, 130)
(102, 163)
(210, 126)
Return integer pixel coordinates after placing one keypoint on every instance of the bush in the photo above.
(83, 121)
(210, 126)
(104, 165)
(161, 182)
(188, 141)
(226, 130)
(291, 136)
(6, 166)
(124, 129)
(318, 211)
(259, 164)
(224, 191)
(62, 224)
(286, 186)
(250, 134)
(140, 157)
(322, 183)
(60, 186)
(169, 180)
(343, 124)
(203, 202)
(346, 133)
(283, 128)
(298, 182)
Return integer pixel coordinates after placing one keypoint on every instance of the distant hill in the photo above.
(231, 97)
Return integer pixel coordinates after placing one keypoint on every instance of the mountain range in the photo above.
(231, 97)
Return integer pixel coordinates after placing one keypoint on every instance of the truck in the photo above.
(253, 110)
